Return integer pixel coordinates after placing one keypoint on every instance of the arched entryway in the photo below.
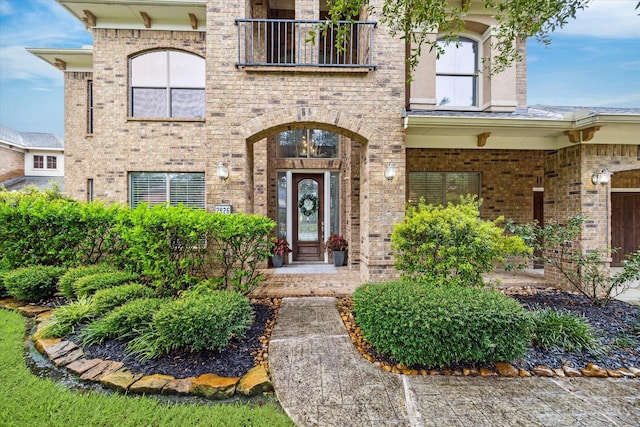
(306, 176)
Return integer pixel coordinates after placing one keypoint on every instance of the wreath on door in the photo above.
(308, 204)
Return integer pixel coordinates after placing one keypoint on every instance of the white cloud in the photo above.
(616, 19)
(6, 8)
(18, 64)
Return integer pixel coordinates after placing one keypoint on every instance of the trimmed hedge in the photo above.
(3, 290)
(108, 299)
(206, 321)
(88, 285)
(68, 279)
(32, 284)
(433, 325)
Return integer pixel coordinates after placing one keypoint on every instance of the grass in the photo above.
(26, 400)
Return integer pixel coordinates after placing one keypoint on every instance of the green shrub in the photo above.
(174, 245)
(68, 279)
(451, 243)
(434, 325)
(47, 228)
(66, 317)
(553, 329)
(108, 299)
(3, 290)
(32, 284)
(209, 321)
(88, 285)
(129, 320)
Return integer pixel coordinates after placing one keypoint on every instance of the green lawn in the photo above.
(26, 400)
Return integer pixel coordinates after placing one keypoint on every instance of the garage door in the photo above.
(625, 224)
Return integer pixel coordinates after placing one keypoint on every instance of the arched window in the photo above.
(167, 83)
(457, 74)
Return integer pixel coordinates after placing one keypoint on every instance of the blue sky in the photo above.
(593, 61)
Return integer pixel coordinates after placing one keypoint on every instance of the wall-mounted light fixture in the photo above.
(390, 172)
(603, 177)
(223, 172)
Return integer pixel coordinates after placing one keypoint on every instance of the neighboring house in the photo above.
(30, 158)
(217, 104)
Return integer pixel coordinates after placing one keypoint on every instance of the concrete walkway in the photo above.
(321, 380)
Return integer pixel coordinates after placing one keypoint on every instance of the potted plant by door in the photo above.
(337, 246)
(280, 248)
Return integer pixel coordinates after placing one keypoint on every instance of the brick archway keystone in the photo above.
(351, 126)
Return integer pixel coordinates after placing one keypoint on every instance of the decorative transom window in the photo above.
(307, 143)
(457, 74)
(440, 188)
(174, 188)
(167, 83)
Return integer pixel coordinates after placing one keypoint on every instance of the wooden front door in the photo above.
(625, 225)
(308, 218)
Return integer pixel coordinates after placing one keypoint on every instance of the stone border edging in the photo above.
(502, 369)
(114, 375)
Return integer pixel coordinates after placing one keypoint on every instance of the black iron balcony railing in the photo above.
(287, 42)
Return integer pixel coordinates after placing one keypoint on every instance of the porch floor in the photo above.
(320, 279)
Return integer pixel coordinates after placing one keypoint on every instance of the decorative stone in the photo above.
(32, 310)
(12, 303)
(559, 372)
(150, 384)
(506, 370)
(60, 349)
(178, 386)
(43, 343)
(101, 369)
(543, 371)
(614, 373)
(634, 371)
(80, 366)
(120, 380)
(484, 372)
(593, 370)
(44, 317)
(571, 372)
(470, 372)
(626, 373)
(213, 386)
(524, 373)
(254, 382)
(72, 356)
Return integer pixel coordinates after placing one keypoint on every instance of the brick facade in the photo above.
(508, 176)
(12, 162)
(245, 107)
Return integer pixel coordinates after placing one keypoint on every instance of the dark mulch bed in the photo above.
(233, 361)
(613, 323)
(617, 320)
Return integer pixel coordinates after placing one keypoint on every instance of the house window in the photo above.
(457, 74)
(167, 83)
(173, 188)
(440, 188)
(307, 143)
(90, 106)
(52, 162)
(90, 190)
(38, 162)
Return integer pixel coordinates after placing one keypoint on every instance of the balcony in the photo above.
(287, 43)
